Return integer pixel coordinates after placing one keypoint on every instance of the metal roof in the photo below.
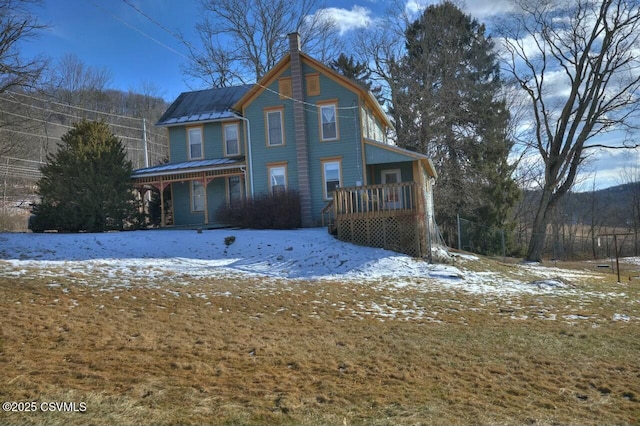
(203, 105)
(196, 165)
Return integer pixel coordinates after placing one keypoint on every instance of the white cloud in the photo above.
(346, 20)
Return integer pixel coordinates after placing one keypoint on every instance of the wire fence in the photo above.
(481, 239)
(561, 243)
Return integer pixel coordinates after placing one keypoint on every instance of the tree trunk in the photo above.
(538, 235)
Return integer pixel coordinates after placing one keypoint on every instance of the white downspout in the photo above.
(249, 158)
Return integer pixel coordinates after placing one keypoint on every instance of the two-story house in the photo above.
(303, 126)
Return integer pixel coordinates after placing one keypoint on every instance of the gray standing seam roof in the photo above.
(203, 105)
(187, 165)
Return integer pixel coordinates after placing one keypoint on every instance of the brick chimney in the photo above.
(300, 126)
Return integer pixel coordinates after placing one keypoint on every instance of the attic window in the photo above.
(284, 88)
(313, 84)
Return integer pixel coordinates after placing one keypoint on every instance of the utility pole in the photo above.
(144, 139)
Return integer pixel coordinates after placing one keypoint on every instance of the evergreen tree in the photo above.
(86, 184)
(358, 72)
(447, 106)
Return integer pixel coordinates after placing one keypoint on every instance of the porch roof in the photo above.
(378, 153)
(189, 167)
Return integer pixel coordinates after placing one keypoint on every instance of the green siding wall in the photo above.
(183, 216)
(212, 139)
(347, 147)
(374, 173)
(178, 144)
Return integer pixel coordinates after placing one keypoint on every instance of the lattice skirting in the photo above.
(403, 234)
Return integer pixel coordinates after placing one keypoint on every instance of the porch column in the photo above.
(206, 204)
(162, 215)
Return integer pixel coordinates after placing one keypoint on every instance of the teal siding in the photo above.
(183, 216)
(178, 145)
(182, 206)
(212, 140)
(347, 147)
(377, 155)
(374, 173)
(263, 155)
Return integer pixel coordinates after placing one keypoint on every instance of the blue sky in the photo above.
(111, 34)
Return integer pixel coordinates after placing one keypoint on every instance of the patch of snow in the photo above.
(116, 260)
(621, 317)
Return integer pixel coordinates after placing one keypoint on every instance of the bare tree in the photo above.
(243, 39)
(17, 24)
(578, 64)
(75, 83)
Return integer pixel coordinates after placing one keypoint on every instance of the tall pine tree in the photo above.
(358, 72)
(86, 184)
(447, 105)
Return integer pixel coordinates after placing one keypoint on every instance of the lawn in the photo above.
(183, 348)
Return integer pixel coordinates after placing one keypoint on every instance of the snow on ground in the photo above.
(153, 259)
(308, 254)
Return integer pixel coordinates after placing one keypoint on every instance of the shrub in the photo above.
(265, 211)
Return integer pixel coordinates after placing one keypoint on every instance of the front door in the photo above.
(392, 196)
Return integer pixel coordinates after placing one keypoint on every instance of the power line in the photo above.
(173, 34)
(71, 127)
(73, 106)
(44, 136)
(62, 113)
(22, 159)
(190, 46)
(156, 135)
(139, 31)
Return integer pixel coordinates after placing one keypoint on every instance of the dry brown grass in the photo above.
(317, 353)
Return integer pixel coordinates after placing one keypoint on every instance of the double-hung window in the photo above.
(275, 133)
(328, 122)
(277, 178)
(331, 177)
(197, 196)
(194, 136)
(231, 142)
(234, 185)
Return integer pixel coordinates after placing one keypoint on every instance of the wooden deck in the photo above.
(388, 216)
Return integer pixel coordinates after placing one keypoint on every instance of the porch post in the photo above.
(206, 204)
(162, 214)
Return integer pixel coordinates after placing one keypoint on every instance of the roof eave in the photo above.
(235, 117)
(192, 170)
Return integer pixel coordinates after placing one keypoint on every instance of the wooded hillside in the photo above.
(33, 121)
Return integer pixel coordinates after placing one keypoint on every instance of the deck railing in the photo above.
(388, 216)
(376, 200)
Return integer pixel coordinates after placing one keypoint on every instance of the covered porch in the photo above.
(394, 210)
(203, 171)
(389, 216)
